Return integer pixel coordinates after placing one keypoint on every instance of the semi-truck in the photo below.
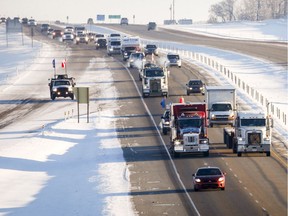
(221, 104)
(154, 81)
(188, 126)
(251, 133)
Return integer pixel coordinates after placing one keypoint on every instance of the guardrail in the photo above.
(253, 93)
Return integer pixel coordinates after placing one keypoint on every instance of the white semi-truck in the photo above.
(251, 133)
(154, 81)
(221, 105)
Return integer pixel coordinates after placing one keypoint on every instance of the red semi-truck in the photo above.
(188, 123)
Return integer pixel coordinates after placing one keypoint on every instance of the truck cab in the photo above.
(114, 45)
(188, 129)
(155, 81)
(252, 133)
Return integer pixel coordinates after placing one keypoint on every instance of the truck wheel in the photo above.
(211, 125)
(53, 97)
(176, 154)
(164, 131)
(188, 93)
(268, 154)
(206, 154)
(72, 97)
(196, 189)
(239, 154)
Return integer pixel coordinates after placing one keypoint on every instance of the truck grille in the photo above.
(222, 117)
(155, 85)
(191, 140)
(254, 138)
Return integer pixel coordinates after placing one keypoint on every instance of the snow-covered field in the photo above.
(42, 184)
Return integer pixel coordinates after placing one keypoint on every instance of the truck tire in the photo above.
(53, 97)
(176, 154)
(188, 93)
(211, 125)
(268, 154)
(206, 154)
(239, 154)
(164, 131)
(72, 97)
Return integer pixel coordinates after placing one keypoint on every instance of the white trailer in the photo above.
(129, 45)
(221, 104)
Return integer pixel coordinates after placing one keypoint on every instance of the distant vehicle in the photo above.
(115, 35)
(135, 59)
(3, 20)
(114, 45)
(151, 49)
(90, 21)
(57, 22)
(152, 26)
(57, 33)
(50, 31)
(208, 177)
(82, 38)
(174, 60)
(67, 36)
(32, 22)
(80, 30)
(195, 86)
(91, 36)
(61, 86)
(24, 21)
(129, 45)
(45, 27)
(124, 21)
(69, 29)
(101, 43)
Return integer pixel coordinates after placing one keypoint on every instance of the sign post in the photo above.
(82, 96)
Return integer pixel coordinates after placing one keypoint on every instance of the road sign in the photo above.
(100, 17)
(114, 16)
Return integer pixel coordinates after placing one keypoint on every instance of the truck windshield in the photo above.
(115, 43)
(62, 82)
(154, 73)
(253, 122)
(190, 123)
(221, 107)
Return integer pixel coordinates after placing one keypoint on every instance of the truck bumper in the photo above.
(191, 149)
(262, 148)
(221, 122)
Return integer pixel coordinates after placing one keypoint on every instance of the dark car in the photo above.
(101, 43)
(151, 26)
(208, 177)
(24, 21)
(45, 27)
(195, 86)
(57, 33)
(151, 49)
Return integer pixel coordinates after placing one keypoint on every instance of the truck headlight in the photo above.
(77, 39)
(177, 142)
(54, 89)
(213, 116)
(111, 49)
(70, 89)
(231, 117)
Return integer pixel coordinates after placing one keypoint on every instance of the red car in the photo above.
(208, 177)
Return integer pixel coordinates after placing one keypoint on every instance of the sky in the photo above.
(42, 182)
(79, 11)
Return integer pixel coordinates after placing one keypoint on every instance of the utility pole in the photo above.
(173, 10)
(170, 12)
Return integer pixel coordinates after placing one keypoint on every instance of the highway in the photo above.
(255, 184)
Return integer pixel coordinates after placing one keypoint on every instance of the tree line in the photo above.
(252, 10)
